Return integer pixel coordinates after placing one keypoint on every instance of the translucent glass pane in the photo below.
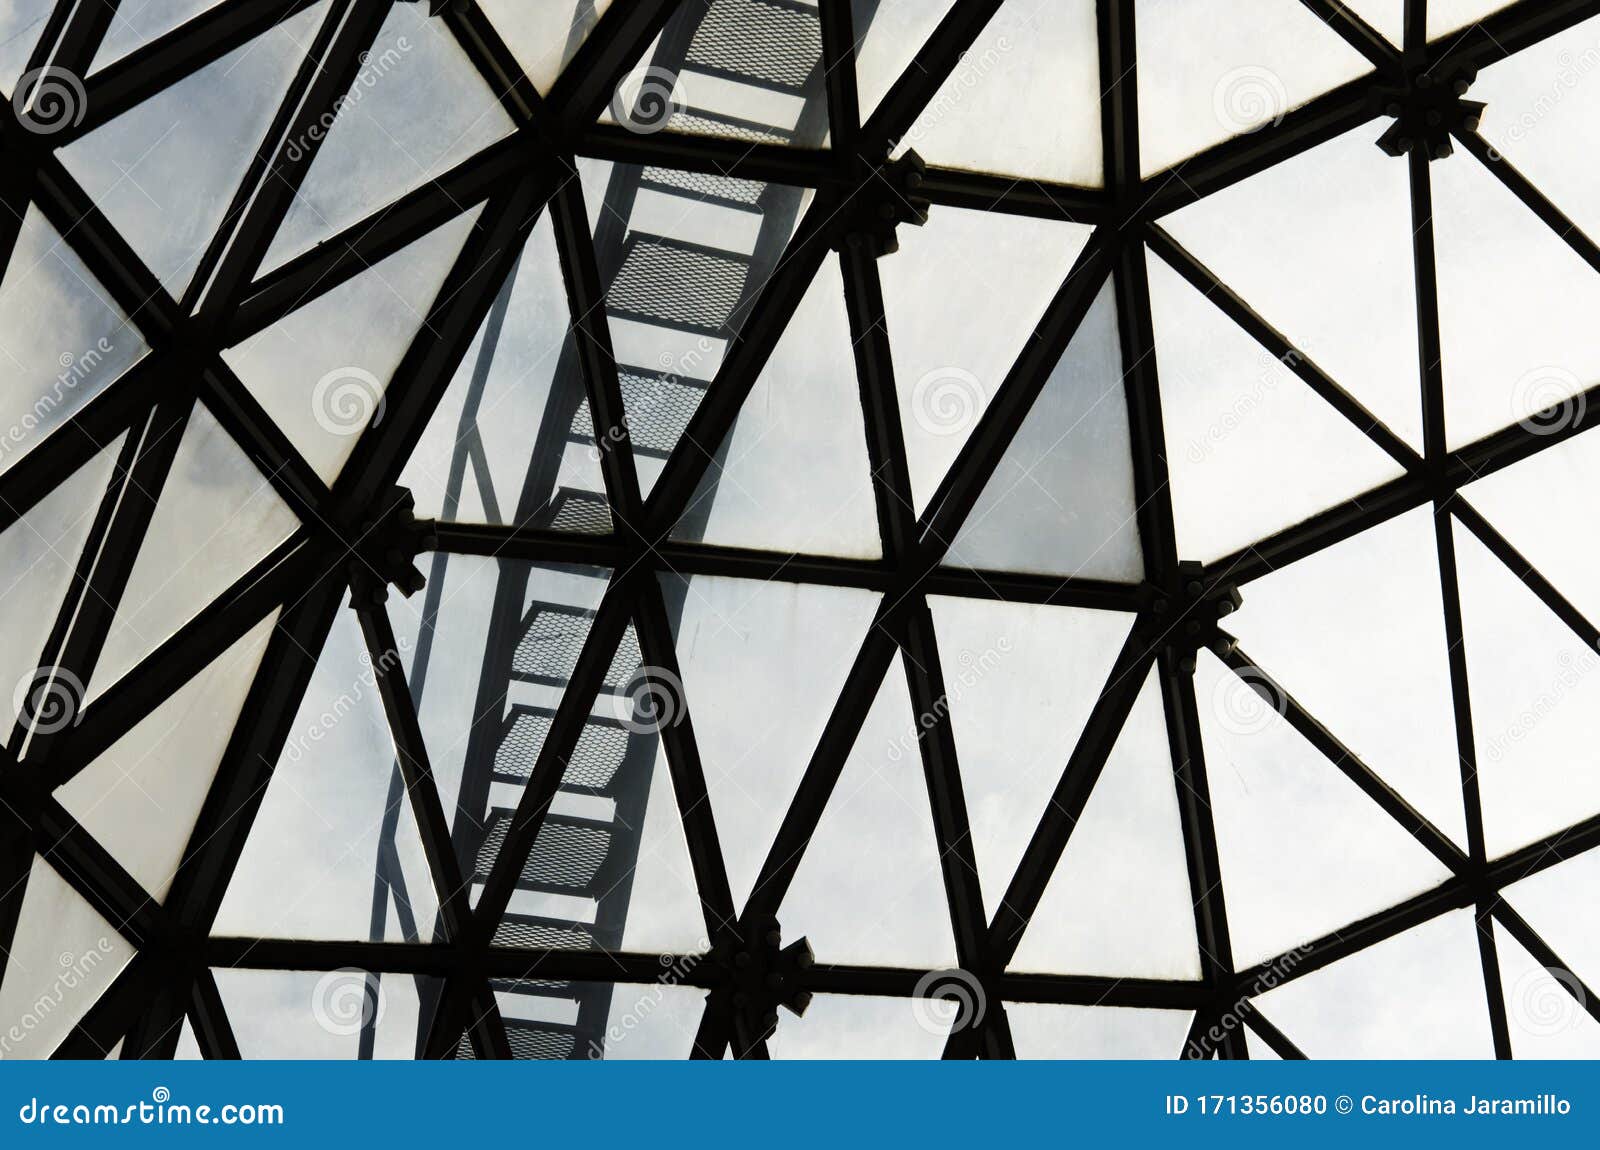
(217, 516)
(1348, 298)
(1022, 680)
(869, 888)
(652, 1022)
(961, 300)
(1118, 903)
(1303, 851)
(321, 372)
(1250, 448)
(333, 813)
(20, 24)
(861, 1026)
(165, 172)
(309, 1014)
(1387, 16)
(793, 474)
(1061, 501)
(1417, 995)
(416, 109)
(141, 797)
(1515, 304)
(38, 555)
(1356, 634)
(889, 34)
(62, 338)
(1534, 700)
(1052, 1030)
(1543, 1015)
(138, 22)
(1030, 55)
(1203, 79)
(1556, 903)
(1450, 15)
(544, 36)
(762, 667)
(188, 1049)
(517, 402)
(62, 959)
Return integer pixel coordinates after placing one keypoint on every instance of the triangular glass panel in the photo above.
(762, 667)
(1243, 432)
(1417, 995)
(1061, 500)
(1022, 680)
(321, 372)
(50, 301)
(63, 957)
(217, 516)
(326, 1015)
(1202, 80)
(869, 888)
(165, 171)
(953, 338)
(793, 474)
(1535, 698)
(1052, 1030)
(1356, 634)
(1118, 903)
(334, 851)
(1546, 1014)
(138, 23)
(1028, 56)
(746, 70)
(140, 798)
(1258, 1049)
(1303, 852)
(857, 1026)
(1450, 15)
(543, 37)
(512, 440)
(188, 1048)
(21, 22)
(1555, 903)
(391, 137)
(1348, 298)
(889, 34)
(1515, 308)
(41, 552)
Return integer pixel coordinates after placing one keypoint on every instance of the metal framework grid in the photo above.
(530, 173)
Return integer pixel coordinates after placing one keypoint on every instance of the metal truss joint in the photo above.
(1186, 617)
(886, 196)
(761, 974)
(1426, 109)
(385, 548)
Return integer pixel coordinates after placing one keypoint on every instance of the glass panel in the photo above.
(1030, 55)
(334, 852)
(1118, 903)
(1250, 448)
(138, 22)
(1515, 307)
(1544, 1015)
(217, 517)
(869, 888)
(1303, 851)
(38, 556)
(21, 21)
(1556, 903)
(1356, 634)
(1050, 1030)
(961, 299)
(543, 37)
(141, 797)
(165, 172)
(889, 33)
(335, 1014)
(62, 338)
(1535, 696)
(1348, 298)
(321, 371)
(1021, 680)
(1203, 79)
(594, 1020)
(512, 440)
(415, 110)
(793, 474)
(1449, 15)
(62, 959)
(1388, 17)
(188, 1049)
(1061, 502)
(1417, 995)
(1258, 1050)
(861, 1026)
(762, 667)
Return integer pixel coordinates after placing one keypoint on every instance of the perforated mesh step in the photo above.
(594, 760)
(539, 934)
(770, 42)
(581, 511)
(659, 408)
(698, 185)
(566, 858)
(673, 284)
(552, 637)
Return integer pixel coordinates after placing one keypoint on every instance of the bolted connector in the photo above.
(886, 197)
(385, 550)
(1427, 109)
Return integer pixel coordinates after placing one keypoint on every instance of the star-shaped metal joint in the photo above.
(1188, 616)
(385, 548)
(887, 196)
(1426, 109)
(761, 975)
